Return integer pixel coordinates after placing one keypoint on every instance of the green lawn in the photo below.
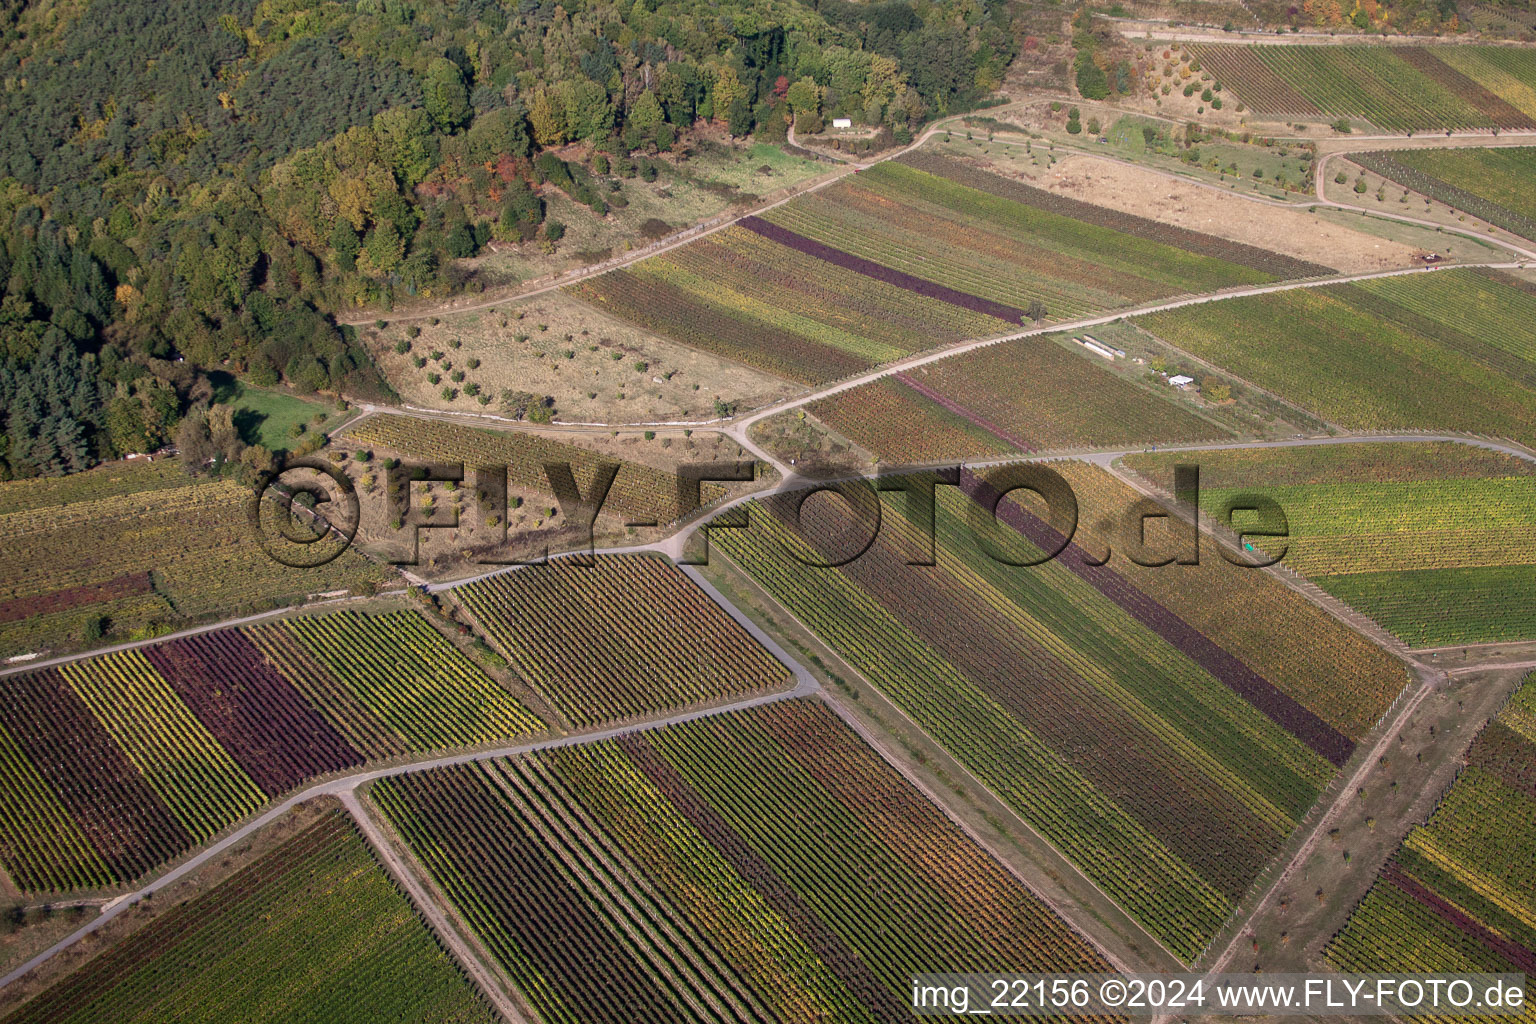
(742, 169)
(268, 417)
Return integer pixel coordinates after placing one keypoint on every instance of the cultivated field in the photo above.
(625, 636)
(139, 548)
(1397, 89)
(758, 866)
(799, 315)
(1433, 541)
(1029, 395)
(907, 255)
(113, 765)
(1165, 729)
(1460, 895)
(313, 932)
(1393, 353)
(1491, 184)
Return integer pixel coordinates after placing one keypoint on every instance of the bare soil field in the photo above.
(1293, 232)
(597, 369)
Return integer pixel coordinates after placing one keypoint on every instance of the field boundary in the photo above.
(421, 892)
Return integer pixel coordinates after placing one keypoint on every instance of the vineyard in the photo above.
(1388, 354)
(1430, 540)
(757, 866)
(749, 297)
(313, 931)
(1176, 256)
(1028, 395)
(907, 255)
(113, 765)
(1007, 242)
(1162, 741)
(1460, 893)
(638, 490)
(1396, 89)
(626, 636)
(904, 426)
(392, 683)
(137, 548)
(1442, 607)
(1491, 184)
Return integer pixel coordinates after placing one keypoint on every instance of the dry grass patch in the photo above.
(596, 368)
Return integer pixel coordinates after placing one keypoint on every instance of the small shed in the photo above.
(842, 122)
(1180, 381)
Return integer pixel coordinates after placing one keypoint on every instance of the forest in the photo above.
(187, 189)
